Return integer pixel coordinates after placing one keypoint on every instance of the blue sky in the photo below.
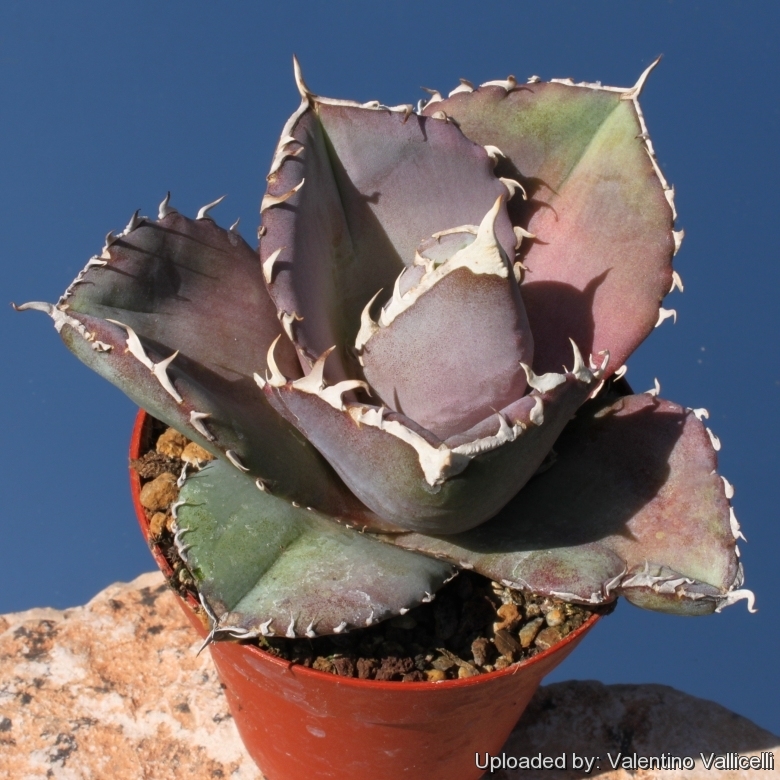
(107, 105)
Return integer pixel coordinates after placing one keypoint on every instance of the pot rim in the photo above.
(191, 604)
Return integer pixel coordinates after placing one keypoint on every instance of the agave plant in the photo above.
(385, 388)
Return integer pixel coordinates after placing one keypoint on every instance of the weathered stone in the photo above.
(344, 667)
(195, 454)
(547, 637)
(160, 493)
(115, 690)
(529, 631)
(323, 665)
(366, 667)
(507, 645)
(158, 523)
(532, 611)
(171, 443)
(589, 718)
(555, 617)
(442, 663)
(394, 668)
(480, 650)
(510, 617)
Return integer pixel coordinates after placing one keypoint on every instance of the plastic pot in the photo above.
(302, 724)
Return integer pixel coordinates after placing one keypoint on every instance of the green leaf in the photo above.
(264, 565)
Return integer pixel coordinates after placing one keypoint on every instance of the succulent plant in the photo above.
(383, 386)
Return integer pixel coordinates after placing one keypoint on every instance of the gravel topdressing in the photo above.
(473, 625)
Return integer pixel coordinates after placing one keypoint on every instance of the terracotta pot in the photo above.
(301, 724)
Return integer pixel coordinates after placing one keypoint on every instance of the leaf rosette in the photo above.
(386, 385)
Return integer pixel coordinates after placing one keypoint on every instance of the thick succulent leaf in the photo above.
(453, 356)
(191, 290)
(306, 250)
(189, 285)
(450, 349)
(265, 566)
(412, 479)
(598, 205)
(352, 192)
(409, 175)
(632, 505)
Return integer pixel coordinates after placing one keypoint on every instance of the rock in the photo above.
(394, 668)
(442, 663)
(532, 611)
(344, 667)
(480, 650)
(507, 645)
(510, 617)
(195, 454)
(554, 617)
(547, 637)
(323, 665)
(152, 464)
(588, 718)
(529, 631)
(366, 667)
(115, 690)
(158, 523)
(160, 493)
(171, 443)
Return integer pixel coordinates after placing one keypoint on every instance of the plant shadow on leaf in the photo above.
(375, 262)
(159, 277)
(573, 319)
(573, 307)
(591, 492)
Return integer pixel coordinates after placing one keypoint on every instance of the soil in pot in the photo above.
(472, 627)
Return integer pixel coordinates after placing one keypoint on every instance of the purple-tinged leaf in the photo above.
(376, 182)
(409, 177)
(188, 285)
(598, 205)
(409, 477)
(632, 504)
(175, 313)
(306, 249)
(448, 352)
